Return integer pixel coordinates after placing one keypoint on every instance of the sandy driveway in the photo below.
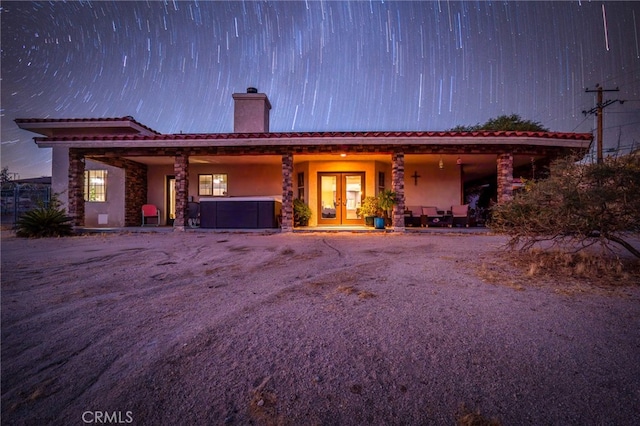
(204, 328)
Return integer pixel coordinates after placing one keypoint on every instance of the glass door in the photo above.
(171, 200)
(339, 198)
(328, 200)
(353, 192)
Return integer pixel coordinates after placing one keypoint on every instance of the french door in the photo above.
(339, 198)
(171, 199)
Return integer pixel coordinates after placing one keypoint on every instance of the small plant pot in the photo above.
(378, 222)
(368, 220)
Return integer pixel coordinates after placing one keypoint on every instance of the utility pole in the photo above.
(598, 110)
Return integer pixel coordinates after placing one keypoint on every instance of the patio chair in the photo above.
(460, 215)
(193, 214)
(412, 216)
(431, 217)
(150, 211)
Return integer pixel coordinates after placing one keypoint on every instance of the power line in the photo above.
(621, 125)
(598, 110)
(580, 124)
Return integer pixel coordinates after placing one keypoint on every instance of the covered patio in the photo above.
(435, 170)
(130, 165)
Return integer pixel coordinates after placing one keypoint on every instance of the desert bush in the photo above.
(580, 204)
(563, 265)
(466, 417)
(45, 221)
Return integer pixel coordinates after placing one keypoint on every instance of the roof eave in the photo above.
(47, 127)
(184, 141)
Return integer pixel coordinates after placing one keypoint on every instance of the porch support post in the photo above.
(181, 172)
(505, 177)
(287, 192)
(75, 189)
(397, 183)
(135, 191)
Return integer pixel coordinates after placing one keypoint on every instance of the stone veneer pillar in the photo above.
(287, 193)
(75, 205)
(397, 183)
(135, 191)
(181, 172)
(505, 177)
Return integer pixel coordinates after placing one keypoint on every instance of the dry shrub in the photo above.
(349, 290)
(363, 294)
(464, 417)
(263, 405)
(578, 203)
(583, 266)
(498, 272)
(346, 289)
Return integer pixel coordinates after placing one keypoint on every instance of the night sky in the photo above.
(330, 65)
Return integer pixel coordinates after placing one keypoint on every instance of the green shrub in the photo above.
(301, 213)
(369, 207)
(45, 221)
(386, 201)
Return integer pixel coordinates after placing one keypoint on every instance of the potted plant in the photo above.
(368, 209)
(386, 201)
(301, 213)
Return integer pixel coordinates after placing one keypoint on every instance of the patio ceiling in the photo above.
(475, 166)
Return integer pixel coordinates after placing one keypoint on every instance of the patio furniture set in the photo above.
(429, 216)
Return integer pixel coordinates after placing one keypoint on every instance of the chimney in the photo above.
(251, 112)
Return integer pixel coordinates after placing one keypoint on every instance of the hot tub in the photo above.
(258, 212)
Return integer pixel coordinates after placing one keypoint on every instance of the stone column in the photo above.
(397, 186)
(76, 188)
(135, 191)
(287, 192)
(181, 172)
(505, 177)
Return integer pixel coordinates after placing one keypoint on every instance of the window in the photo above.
(301, 186)
(205, 184)
(95, 185)
(380, 182)
(215, 185)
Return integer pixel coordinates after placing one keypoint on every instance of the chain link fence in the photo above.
(17, 199)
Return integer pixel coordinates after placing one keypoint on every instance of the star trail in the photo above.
(325, 65)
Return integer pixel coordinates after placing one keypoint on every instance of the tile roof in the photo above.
(83, 120)
(328, 135)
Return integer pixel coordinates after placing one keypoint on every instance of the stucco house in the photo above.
(105, 169)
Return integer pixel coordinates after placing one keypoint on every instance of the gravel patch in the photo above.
(319, 328)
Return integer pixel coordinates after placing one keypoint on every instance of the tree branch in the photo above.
(624, 244)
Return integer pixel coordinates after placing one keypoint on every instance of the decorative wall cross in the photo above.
(415, 177)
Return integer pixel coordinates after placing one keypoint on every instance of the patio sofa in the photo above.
(425, 216)
(430, 216)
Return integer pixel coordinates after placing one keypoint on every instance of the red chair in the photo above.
(150, 211)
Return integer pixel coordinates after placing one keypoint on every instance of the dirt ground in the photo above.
(305, 329)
